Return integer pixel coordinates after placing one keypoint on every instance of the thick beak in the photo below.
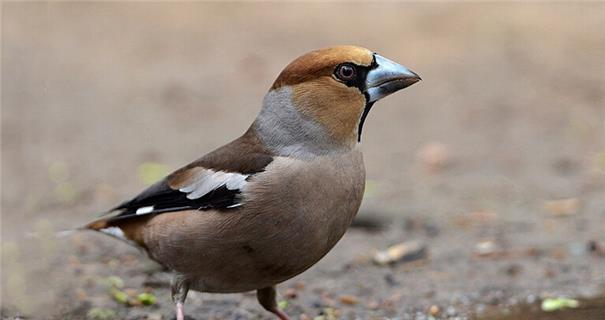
(388, 77)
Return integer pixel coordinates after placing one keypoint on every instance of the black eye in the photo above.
(345, 72)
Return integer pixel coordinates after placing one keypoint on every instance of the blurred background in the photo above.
(489, 174)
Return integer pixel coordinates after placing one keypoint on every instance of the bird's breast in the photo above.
(303, 207)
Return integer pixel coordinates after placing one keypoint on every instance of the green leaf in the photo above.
(100, 314)
(283, 304)
(119, 296)
(549, 305)
(147, 298)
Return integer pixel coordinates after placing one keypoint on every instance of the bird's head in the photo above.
(319, 102)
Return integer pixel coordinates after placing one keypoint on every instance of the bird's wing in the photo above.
(203, 189)
(215, 182)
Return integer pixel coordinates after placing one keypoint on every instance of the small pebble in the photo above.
(420, 316)
(390, 280)
(513, 270)
(596, 248)
(291, 293)
(348, 299)
(405, 251)
(485, 248)
(451, 311)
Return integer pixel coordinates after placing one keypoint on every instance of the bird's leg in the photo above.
(266, 298)
(180, 314)
(180, 287)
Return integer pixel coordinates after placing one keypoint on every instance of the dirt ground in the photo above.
(495, 161)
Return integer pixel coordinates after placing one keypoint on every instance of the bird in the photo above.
(270, 204)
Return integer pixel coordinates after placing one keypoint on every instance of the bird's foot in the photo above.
(180, 314)
(280, 314)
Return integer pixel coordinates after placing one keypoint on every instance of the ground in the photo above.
(495, 162)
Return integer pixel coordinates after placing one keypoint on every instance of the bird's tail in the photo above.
(120, 230)
(57, 234)
(67, 233)
(97, 225)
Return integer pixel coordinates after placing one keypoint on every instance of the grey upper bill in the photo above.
(388, 77)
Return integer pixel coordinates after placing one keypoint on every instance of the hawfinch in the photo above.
(270, 204)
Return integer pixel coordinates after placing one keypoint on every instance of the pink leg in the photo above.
(266, 298)
(280, 314)
(180, 287)
(180, 315)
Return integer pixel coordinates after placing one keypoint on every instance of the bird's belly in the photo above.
(258, 263)
(272, 253)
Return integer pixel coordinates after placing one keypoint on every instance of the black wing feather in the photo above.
(165, 199)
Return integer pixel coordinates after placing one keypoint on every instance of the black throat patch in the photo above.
(362, 87)
(366, 110)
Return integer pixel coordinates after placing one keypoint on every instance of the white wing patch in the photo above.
(200, 183)
(207, 180)
(114, 232)
(118, 234)
(144, 210)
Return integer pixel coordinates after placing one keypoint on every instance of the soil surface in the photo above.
(494, 163)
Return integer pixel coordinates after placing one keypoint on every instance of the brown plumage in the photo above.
(320, 63)
(335, 107)
(270, 204)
